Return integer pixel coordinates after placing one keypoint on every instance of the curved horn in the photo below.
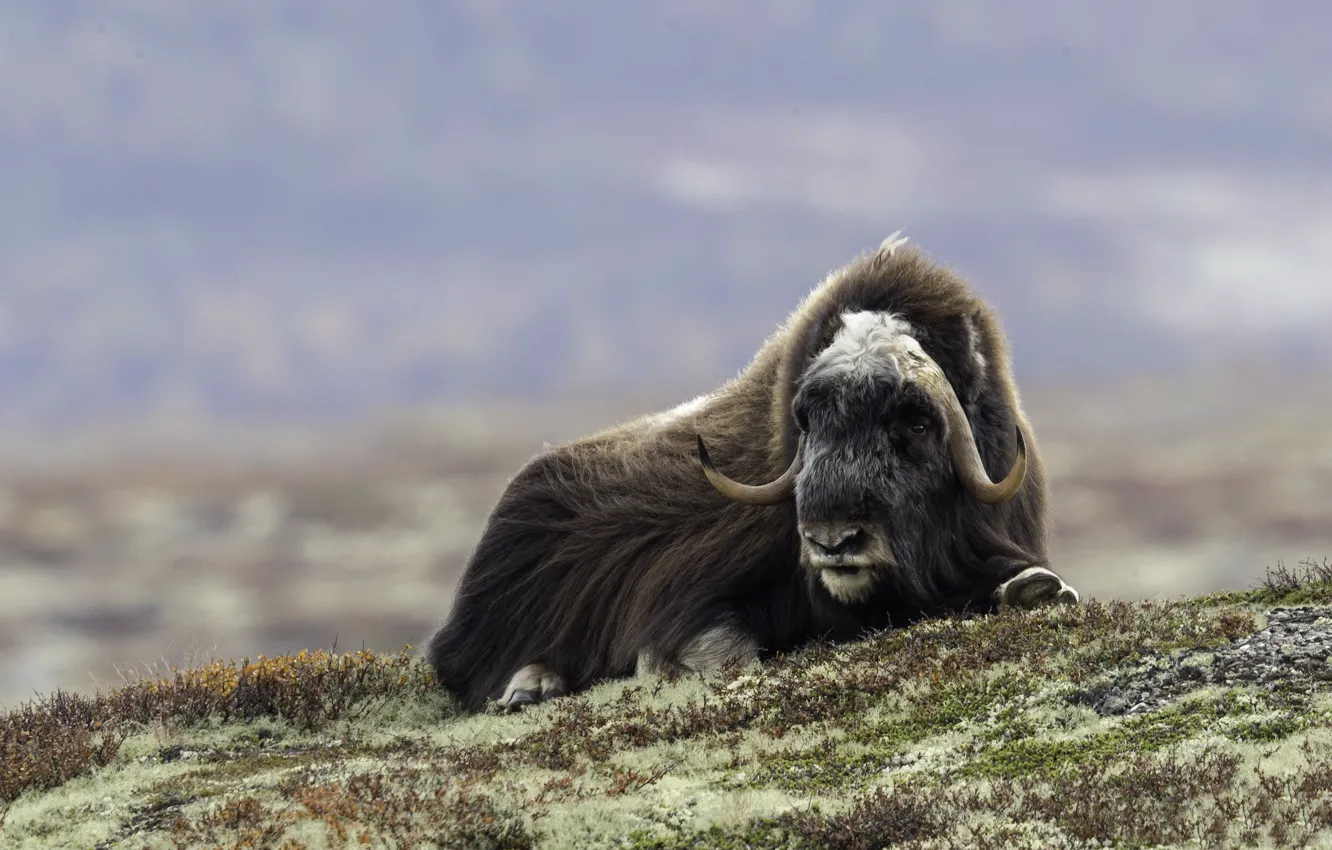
(961, 443)
(773, 493)
(967, 461)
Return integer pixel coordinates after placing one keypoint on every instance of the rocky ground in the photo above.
(1289, 653)
(1200, 722)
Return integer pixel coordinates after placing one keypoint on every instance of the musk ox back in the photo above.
(896, 477)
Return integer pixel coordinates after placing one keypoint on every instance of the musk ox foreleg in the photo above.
(712, 649)
(533, 683)
(1035, 587)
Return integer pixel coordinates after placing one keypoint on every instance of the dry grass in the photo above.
(45, 743)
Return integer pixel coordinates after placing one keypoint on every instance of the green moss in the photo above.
(1224, 598)
(158, 811)
(1145, 734)
(1274, 715)
(900, 816)
(1310, 583)
(934, 710)
(825, 767)
(872, 744)
(1029, 757)
(1319, 593)
(1313, 594)
(1269, 730)
(758, 834)
(243, 766)
(1009, 729)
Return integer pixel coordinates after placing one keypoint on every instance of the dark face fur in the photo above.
(874, 457)
(884, 444)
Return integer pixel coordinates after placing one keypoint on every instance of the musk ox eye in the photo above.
(801, 418)
(918, 429)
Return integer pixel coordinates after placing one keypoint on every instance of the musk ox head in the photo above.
(885, 453)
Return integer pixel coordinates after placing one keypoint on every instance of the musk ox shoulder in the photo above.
(871, 466)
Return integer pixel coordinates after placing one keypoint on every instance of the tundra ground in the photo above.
(1160, 723)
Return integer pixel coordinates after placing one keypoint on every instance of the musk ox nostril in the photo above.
(834, 540)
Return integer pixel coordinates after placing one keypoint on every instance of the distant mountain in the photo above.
(258, 210)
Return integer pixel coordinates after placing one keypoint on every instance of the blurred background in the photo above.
(289, 290)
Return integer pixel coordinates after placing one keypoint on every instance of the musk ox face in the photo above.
(884, 443)
(874, 454)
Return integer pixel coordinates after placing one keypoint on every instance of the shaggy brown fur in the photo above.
(616, 543)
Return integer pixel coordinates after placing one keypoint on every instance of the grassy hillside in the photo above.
(1157, 723)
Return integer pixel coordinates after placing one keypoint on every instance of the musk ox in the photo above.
(843, 482)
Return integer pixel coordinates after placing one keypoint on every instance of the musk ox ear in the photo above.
(971, 325)
(962, 346)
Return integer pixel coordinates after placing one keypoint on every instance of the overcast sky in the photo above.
(254, 206)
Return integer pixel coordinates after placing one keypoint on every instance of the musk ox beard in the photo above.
(877, 421)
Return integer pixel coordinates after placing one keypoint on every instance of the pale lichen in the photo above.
(965, 731)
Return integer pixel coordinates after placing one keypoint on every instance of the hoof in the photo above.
(532, 684)
(1036, 587)
(521, 699)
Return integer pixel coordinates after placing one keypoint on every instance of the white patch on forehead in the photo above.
(864, 340)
